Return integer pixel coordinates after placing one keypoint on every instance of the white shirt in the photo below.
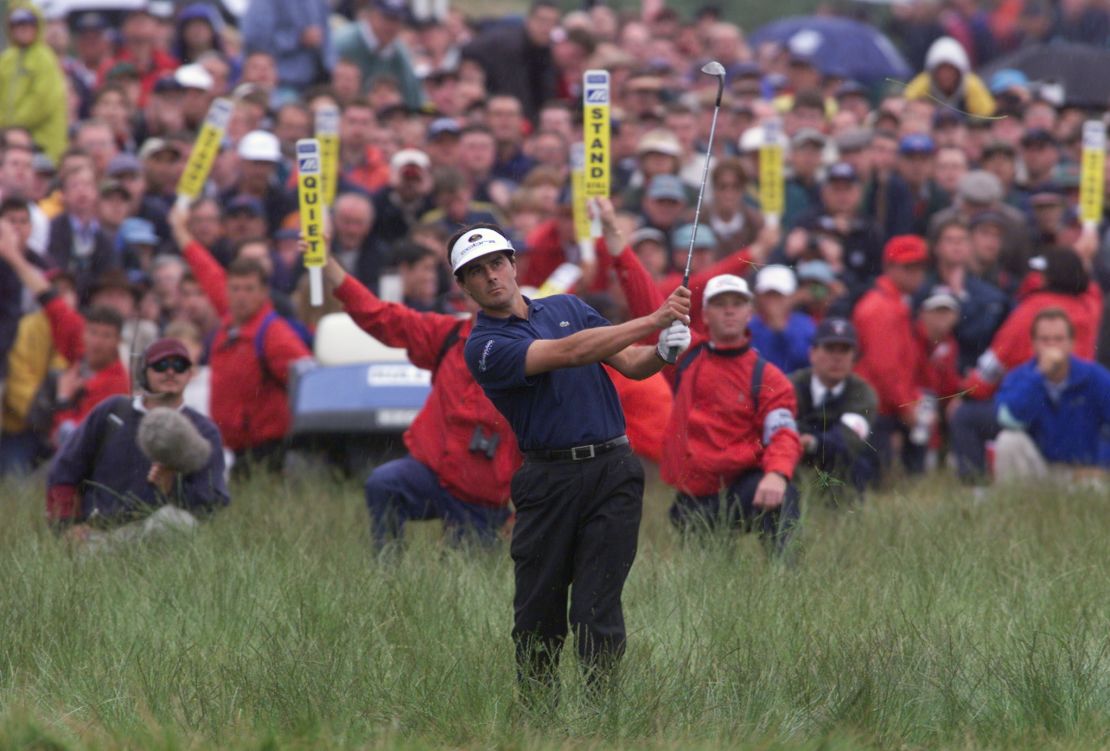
(820, 392)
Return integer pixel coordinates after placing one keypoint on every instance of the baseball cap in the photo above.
(904, 250)
(260, 146)
(481, 242)
(994, 148)
(659, 141)
(193, 76)
(398, 9)
(815, 271)
(808, 137)
(122, 69)
(22, 15)
(167, 84)
(835, 331)
(647, 234)
(152, 146)
(841, 171)
(108, 187)
(90, 21)
(851, 141)
(42, 164)
(723, 283)
(1037, 136)
(243, 204)
(1046, 194)
(916, 143)
(666, 187)
(443, 126)
(1008, 78)
(940, 297)
(705, 239)
(165, 348)
(409, 157)
(124, 164)
(135, 231)
(776, 278)
(980, 187)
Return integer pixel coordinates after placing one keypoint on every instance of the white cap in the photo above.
(776, 278)
(194, 76)
(405, 157)
(260, 146)
(722, 283)
(480, 242)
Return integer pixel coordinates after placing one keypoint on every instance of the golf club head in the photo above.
(715, 69)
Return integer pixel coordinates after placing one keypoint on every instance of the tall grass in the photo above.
(924, 619)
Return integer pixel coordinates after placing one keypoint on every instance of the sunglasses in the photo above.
(176, 364)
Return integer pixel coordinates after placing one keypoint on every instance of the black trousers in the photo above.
(693, 514)
(577, 525)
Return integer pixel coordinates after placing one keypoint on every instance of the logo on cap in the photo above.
(474, 238)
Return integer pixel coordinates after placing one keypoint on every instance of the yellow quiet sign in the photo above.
(1092, 172)
(205, 149)
(595, 108)
(327, 133)
(312, 209)
(578, 191)
(771, 182)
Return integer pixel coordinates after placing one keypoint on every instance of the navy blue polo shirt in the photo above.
(554, 410)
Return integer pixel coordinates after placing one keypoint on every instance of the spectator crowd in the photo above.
(929, 298)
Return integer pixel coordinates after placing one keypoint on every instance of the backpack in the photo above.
(757, 372)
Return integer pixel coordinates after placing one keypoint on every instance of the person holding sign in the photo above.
(462, 452)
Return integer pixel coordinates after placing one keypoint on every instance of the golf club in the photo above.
(711, 68)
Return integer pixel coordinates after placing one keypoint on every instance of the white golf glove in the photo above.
(673, 341)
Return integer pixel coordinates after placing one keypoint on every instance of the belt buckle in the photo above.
(590, 453)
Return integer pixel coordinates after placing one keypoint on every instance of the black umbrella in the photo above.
(1080, 68)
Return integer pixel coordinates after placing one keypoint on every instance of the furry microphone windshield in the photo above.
(169, 438)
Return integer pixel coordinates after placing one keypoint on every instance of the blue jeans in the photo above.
(404, 490)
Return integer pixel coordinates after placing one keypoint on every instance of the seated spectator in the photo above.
(1053, 409)
(361, 162)
(732, 426)
(735, 222)
(417, 266)
(836, 410)
(399, 206)
(819, 291)
(778, 332)
(104, 478)
(259, 161)
(888, 353)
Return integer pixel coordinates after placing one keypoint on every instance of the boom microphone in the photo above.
(169, 438)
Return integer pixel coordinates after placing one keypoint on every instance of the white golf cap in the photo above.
(260, 146)
(776, 278)
(480, 242)
(723, 283)
(409, 157)
(194, 76)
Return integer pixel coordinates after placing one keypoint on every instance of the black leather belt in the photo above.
(578, 453)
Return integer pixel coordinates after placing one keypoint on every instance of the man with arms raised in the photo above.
(579, 494)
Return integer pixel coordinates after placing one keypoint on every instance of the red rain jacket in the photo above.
(715, 434)
(888, 354)
(67, 328)
(249, 403)
(440, 435)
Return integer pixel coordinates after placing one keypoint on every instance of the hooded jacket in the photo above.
(33, 91)
(971, 96)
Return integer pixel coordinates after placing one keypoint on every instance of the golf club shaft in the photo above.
(701, 194)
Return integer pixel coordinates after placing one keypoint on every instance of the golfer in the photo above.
(579, 493)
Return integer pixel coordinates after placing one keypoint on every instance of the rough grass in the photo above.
(925, 619)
